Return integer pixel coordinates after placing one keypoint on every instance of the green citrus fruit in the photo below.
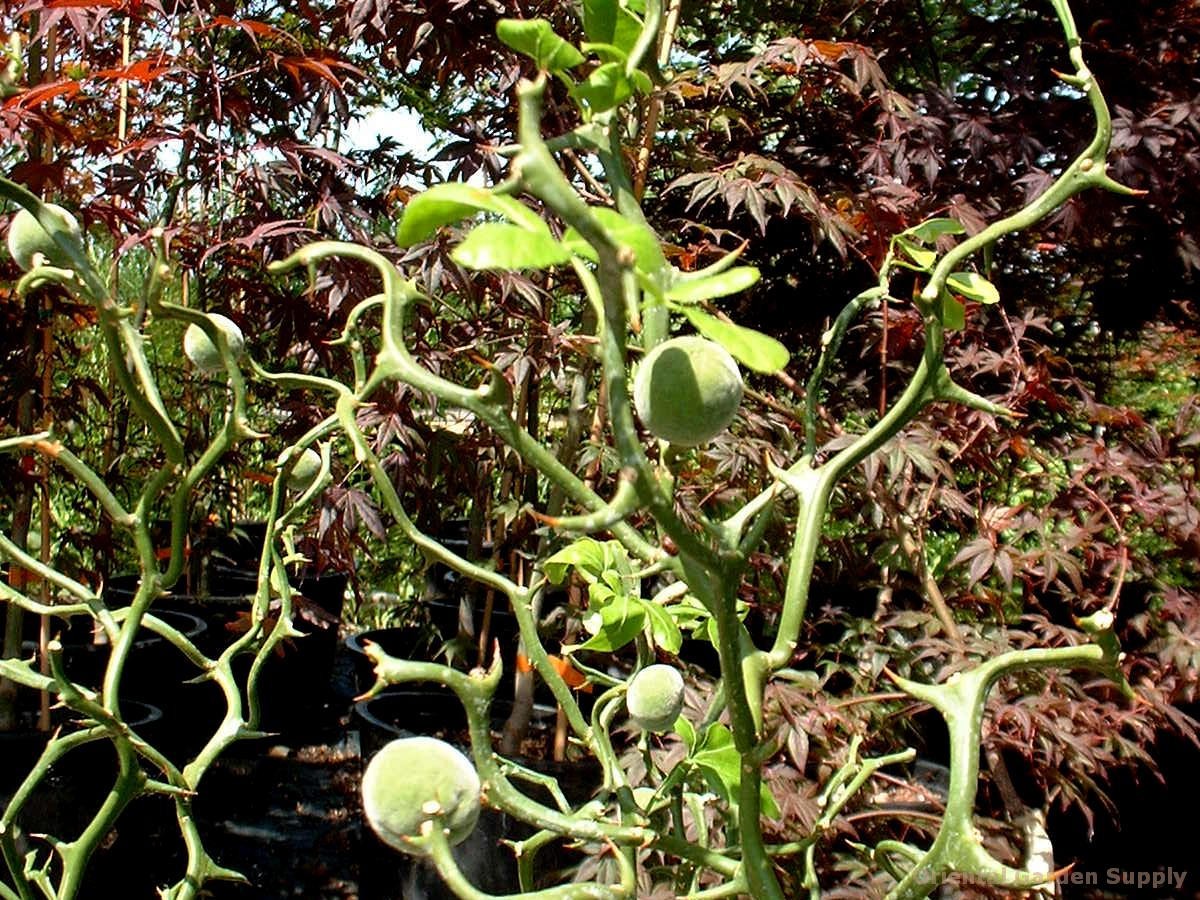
(305, 472)
(687, 390)
(655, 698)
(410, 781)
(27, 238)
(203, 353)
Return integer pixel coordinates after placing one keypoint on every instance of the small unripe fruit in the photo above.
(655, 698)
(305, 472)
(203, 353)
(687, 390)
(410, 781)
(27, 238)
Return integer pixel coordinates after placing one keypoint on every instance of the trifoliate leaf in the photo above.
(924, 259)
(600, 19)
(640, 239)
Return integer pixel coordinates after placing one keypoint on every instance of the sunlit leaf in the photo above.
(954, 316)
(930, 231)
(731, 281)
(627, 29)
(766, 800)
(619, 622)
(537, 40)
(600, 19)
(644, 243)
(586, 554)
(663, 628)
(687, 731)
(924, 259)
(499, 245)
(973, 287)
(446, 204)
(604, 88)
(719, 760)
(605, 52)
(751, 348)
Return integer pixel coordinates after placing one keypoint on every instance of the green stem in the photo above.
(961, 702)
(757, 867)
(396, 362)
(813, 489)
(831, 342)
(540, 174)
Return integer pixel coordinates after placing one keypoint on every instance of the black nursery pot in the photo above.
(401, 641)
(487, 864)
(232, 569)
(294, 683)
(414, 642)
(77, 783)
(404, 712)
(451, 617)
(384, 873)
(451, 614)
(240, 546)
(435, 710)
(153, 661)
(76, 788)
(155, 671)
(326, 589)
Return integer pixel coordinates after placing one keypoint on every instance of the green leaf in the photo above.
(640, 239)
(537, 40)
(766, 800)
(924, 259)
(721, 766)
(973, 287)
(499, 245)
(585, 554)
(605, 88)
(445, 204)
(954, 316)
(663, 629)
(605, 52)
(719, 761)
(600, 19)
(687, 731)
(929, 231)
(612, 578)
(620, 621)
(616, 559)
(731, 281)
(690, 618)
(627, 30)
(751, 348)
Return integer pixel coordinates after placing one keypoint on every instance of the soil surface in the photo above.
(288, 819)
(285, 811)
